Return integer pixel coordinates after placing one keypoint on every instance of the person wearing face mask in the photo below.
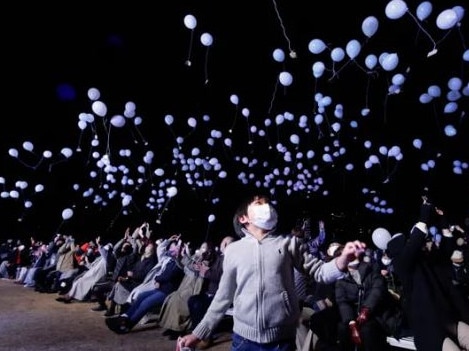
(258, 281)
(387, 271)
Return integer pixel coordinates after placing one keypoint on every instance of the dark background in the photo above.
(52, 56)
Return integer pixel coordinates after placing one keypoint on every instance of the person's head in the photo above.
(206, 251)
(227, 240)
(126, 248)
(256, 211)
(457, 257)
(385, 260)
(174, 248)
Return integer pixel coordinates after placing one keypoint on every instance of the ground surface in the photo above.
(33, 321)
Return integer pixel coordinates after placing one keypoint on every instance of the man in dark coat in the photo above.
(437, 315)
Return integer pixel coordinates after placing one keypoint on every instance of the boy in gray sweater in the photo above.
(258, 281)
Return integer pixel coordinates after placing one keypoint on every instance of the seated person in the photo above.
(165, 283)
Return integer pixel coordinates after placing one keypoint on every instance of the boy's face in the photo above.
(260, 215)
(250, 212)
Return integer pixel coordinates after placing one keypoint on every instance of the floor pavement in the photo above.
(33, 321)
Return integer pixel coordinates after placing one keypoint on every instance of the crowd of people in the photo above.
(346, 295)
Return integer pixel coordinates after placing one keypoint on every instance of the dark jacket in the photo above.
(171, 277)
(371, 293)
(430, 300)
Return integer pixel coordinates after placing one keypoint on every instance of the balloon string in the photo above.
(249, 131)
(141, 136)
(234, 120)
(292, 52)
(108, 149)
(160, 215)
(273, 97)
(340, 69)
(462, 37)
(189, 54)
(206, 66)
(423, 30)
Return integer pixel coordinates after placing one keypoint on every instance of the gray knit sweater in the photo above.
(258, 281)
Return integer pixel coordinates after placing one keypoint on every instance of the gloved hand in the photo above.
(363, 315)
(354, 333)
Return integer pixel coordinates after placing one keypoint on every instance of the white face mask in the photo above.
(386, 261)
(264, 216)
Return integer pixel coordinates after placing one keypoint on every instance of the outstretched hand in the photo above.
(351, 251)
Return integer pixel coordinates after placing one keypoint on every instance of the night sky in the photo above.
(245, 115)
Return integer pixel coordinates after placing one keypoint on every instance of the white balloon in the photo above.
(465, 55)
(371, 61)
(294, 139)
(454, 83)
(38, 188)
(353, 48)
(318, 119)
(99, 108)
(28, 146)
(434, 91)
(398, 79)
(450, 107)
(395, 9)
(450, 130)
(337, 54)
(118, 121)
(285, 78)
(82, 125)
(424, 10)
(370, 26)
(67, 152)
(425, 98)
(390, 62)
(94, 94)
(417, 143)
(67, 213)
(190, 21)
(459, 12)
(13, 152)
(381, 237)
(192, 122)
(126, 200)
(279, 55)
(168, 119)
(234, 99)
(316, 46)
(211, 218)
(171, 191)
(206, 39)
(138, 120)
(318, 69)
(447, 19)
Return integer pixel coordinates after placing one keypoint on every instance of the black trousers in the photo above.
(101, 290)
(198, 305)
